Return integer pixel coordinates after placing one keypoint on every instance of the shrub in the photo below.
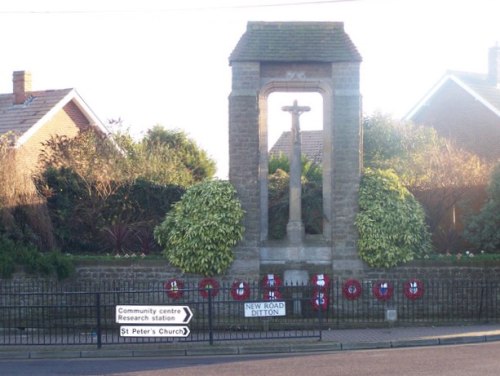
(86, 222)
(391, 223)
(14, 254)
(199, 232)
(483, 229)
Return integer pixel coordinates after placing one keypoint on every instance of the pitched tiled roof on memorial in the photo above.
(311, 145)
(295, 42)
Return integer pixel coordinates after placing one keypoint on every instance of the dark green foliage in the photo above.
(7, 263)
(68, 201)
(388, 143)
(381, 140)
(278, 162)
(14, 254)
(134, 211)
(155, 199)
(483, 229)
(436, 171)
(86, 222)
(187, 155)
(198, 234)
(391, 223)
(95, 194)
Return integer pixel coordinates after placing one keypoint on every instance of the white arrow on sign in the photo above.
(154, 331)
(157, 314)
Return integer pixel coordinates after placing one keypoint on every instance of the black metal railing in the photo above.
(46, 313)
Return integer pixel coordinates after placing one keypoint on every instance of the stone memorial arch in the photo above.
(296, 57)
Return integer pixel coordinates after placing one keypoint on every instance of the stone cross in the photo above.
(295, 228)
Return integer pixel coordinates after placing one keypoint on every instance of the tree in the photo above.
(437, 172)
(95, 186)
(94, 157)
(391, 222)
(187, 155)
(79, 176)
(483, 229)
(23, 216)
(198, 234)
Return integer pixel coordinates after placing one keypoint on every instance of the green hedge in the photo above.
(391, 222)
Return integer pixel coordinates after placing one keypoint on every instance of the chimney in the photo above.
(21, 86)
(494, 65)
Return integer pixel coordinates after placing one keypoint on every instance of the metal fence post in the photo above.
(210, 323)
(319, 321)
(98, 319)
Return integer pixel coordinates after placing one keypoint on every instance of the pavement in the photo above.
(332, 340)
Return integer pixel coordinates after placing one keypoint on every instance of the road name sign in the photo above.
(154, 331)
(156, 314)
(265, 309)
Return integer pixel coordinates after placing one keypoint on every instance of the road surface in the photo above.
(461, 360)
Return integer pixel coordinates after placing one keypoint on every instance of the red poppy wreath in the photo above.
(271, 281)
(413, 289)
(272, 295)
(320, 281)
(208, 286)
(240, 290)
(319, 300)
(174, 288)
(383, 290)
(352, 289)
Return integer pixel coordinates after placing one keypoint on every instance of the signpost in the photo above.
(154, 331)
(265, 309)
(148, 320)
(162, 314)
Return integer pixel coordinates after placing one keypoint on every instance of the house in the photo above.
(35, 116)
(311, 145)
(465, 107)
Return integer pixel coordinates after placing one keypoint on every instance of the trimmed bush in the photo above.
(198, 234)
(391, 222)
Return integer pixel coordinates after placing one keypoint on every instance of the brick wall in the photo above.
(154, 271)
(67, 121)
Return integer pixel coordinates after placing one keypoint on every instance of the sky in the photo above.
(165, 62)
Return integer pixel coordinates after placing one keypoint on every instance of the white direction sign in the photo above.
(265, 309)
(154, 331)
(156, 314)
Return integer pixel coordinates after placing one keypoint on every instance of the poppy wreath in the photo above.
(319, 300)
(272, 295)
(320, 281)
(383, 290)
(271, 281)
(174, 288)
(240, 290)
(352, 289)
(208, 286)
(413, 289)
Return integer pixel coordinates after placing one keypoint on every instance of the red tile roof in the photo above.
(311, 145)
(19, 118)
(23, 119)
